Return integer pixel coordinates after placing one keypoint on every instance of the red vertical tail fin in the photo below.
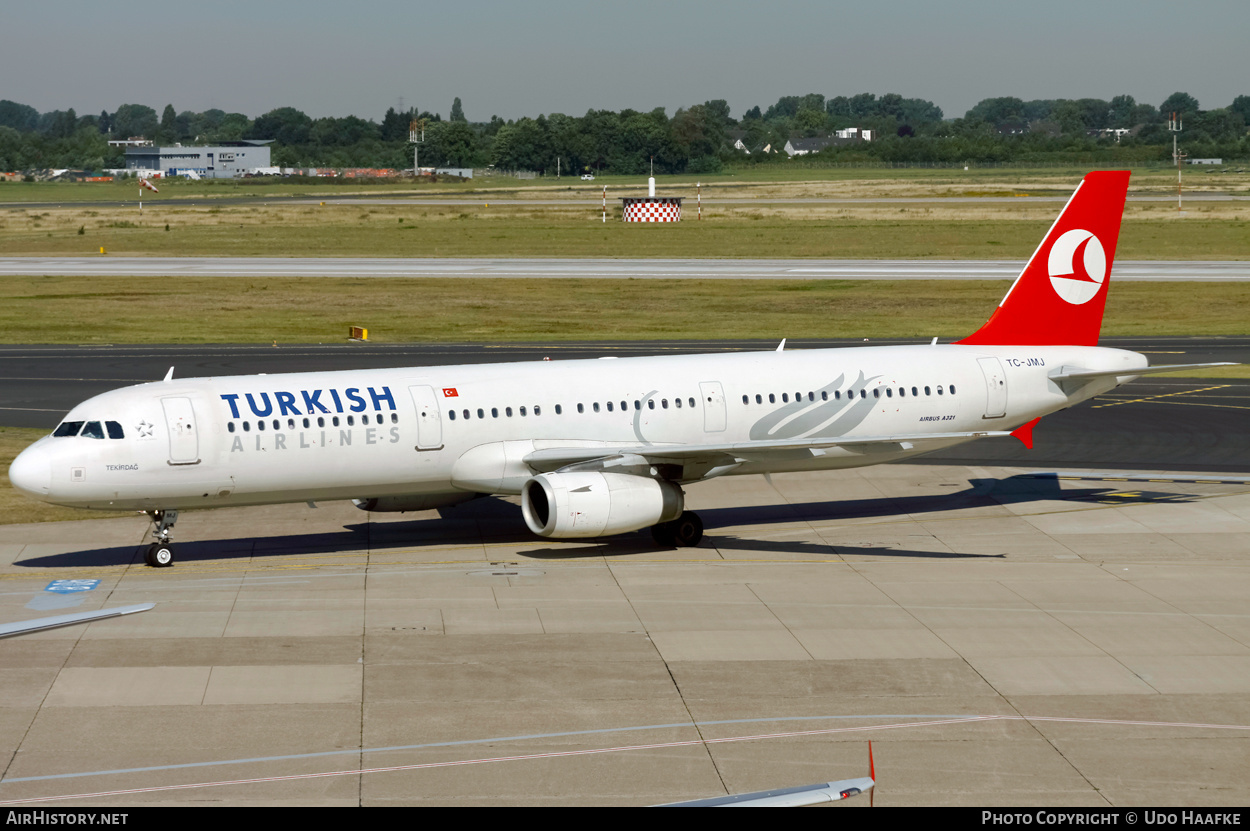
(1058, 299)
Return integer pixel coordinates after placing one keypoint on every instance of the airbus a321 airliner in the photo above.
(596, 447)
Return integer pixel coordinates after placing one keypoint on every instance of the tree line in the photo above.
(702, 138)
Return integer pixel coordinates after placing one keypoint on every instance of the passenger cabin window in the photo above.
(260, 425)
(230, 427)
(507, 411)
(650, 403)
(481, 413)
(247, 427)
(580, 408)
(952, 389)
(759, 399)
(595, 406)
(559, 409)
(67, 428)
(451, 415)
(538, 410)
(772, 399)
(691, 400)
(494, 412)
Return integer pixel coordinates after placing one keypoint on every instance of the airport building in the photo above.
(221, 161)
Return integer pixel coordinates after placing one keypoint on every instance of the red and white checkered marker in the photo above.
(645, 211)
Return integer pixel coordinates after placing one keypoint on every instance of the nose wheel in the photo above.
(160, 554)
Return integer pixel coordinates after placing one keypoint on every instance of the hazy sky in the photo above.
(515, 58)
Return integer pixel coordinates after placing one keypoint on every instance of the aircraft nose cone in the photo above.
(31, 472)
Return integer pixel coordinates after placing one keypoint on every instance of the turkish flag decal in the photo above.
(450, 392)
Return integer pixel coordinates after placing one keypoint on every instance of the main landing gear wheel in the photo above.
(159, 555)
(684, 532)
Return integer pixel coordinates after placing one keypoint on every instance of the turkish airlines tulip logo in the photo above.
(1077, 266)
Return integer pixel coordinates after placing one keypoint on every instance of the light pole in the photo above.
(1175, 125)
(416, 137)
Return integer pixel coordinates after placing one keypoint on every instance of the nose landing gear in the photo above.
(160, 554)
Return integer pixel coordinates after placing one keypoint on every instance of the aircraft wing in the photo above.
(24, 627)
(784, 797)
(554, 458)
(1076, 373)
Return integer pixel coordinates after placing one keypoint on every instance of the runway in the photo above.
(649, 269)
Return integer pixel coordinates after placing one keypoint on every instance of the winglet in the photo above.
(1025, 433)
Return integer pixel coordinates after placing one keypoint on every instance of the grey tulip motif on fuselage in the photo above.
(806, 419)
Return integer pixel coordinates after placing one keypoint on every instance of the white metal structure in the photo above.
(596, 447)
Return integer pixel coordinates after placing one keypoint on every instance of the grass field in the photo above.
(196, 309)
(259, 220)
(1210, 231)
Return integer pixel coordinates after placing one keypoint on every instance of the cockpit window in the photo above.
(92, 430)
(68, 428)
(115, 430)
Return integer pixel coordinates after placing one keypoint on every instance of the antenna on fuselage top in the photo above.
(781, 347)
(169, 376)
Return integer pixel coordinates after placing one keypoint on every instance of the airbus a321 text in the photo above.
(597, 447)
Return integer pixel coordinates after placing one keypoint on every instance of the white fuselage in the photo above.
(456, 430)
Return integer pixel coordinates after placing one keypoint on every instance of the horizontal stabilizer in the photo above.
(23, 627)
(1076, 373)
(785, 797)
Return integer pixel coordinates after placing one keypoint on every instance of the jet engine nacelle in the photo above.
(595, 504)
(412, 502)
